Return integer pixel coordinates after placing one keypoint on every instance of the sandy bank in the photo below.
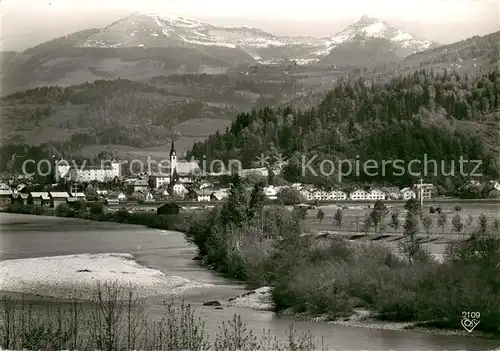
(75, 276)
(259, 299)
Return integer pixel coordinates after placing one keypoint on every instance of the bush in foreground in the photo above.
(116, 320)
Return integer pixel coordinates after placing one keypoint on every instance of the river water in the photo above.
(24, 236)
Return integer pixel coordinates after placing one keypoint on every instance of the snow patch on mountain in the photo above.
(153, 30)
(208, 43)
(402, 36)
(369, 27)
(375, 30)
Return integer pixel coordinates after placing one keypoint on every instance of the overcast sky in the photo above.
(29, 22)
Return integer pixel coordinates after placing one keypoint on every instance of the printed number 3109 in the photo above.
(470, 320)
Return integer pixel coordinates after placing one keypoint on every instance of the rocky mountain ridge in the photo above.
(148, 30)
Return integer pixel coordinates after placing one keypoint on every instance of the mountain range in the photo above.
(151, 30)
(144, 45)
(113, 89)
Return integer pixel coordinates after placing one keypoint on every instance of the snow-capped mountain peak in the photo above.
(369, 27)
(368, 19)
(176, 21)
(152, 30)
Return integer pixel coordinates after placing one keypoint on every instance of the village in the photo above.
(206, 193)
(185, 183)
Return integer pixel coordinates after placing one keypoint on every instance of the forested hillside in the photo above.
(477, 51)
(474, 55)
(133, 113)
(444, 115)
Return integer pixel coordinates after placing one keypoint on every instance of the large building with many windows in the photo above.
(86, 173)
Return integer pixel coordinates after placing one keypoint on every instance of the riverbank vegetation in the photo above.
(322, 276)
(331, 277)
(97, 212)
(116, 320)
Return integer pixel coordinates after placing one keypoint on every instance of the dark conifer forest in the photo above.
(442, 115)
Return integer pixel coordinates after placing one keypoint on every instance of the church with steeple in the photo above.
(179, 171)
(174, 177)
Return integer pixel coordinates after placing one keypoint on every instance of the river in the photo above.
(24, 236)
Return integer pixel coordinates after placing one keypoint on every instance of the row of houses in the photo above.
(208, 192)
(373, 194)
(201, 195)
(311, 193)
(50, 199)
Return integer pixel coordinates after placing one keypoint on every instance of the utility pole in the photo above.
(262, 221)
(421, 198)
(55, 171)
(74, 189)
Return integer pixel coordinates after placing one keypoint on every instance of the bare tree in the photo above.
(442, 221)
(410, 247)
(470, 221)
(457, 223)
(378, 214)
(338, 217)
(483, 224)
(427, 224)
(320, 215)
(395, 222)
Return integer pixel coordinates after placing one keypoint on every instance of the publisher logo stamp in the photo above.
(470, 320)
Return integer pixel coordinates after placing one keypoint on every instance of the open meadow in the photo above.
(354, 215)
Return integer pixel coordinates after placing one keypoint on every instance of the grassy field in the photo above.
(354, 216)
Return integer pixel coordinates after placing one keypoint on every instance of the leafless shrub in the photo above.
(115, 319)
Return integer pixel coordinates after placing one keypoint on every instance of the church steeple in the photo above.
(172, 148)
(173, 163)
